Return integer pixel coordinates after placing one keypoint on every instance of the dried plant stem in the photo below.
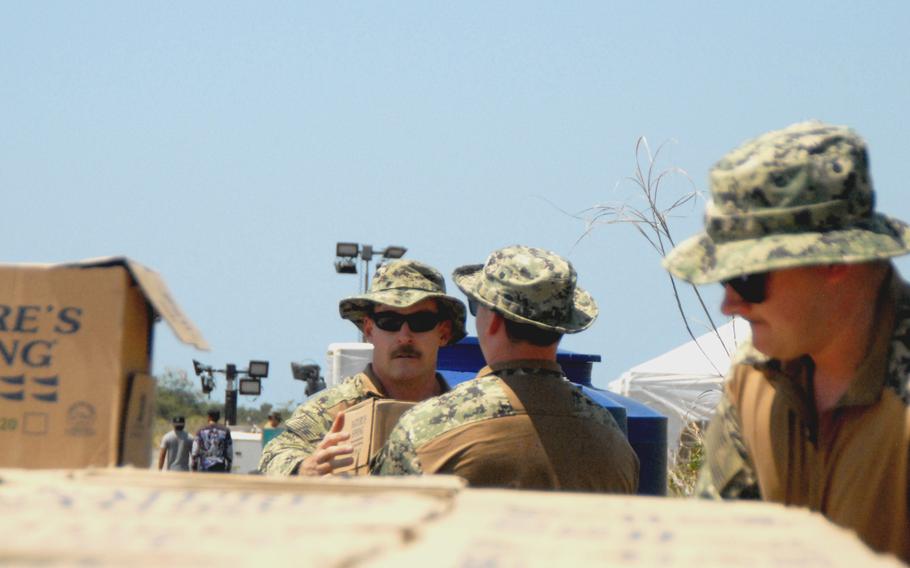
(651, 223)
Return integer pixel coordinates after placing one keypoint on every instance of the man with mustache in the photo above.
(815, 408)
(520, 423)
(407, 316)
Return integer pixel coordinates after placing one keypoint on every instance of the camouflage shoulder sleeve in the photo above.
(471, 401)
(727, 472)
(308, 425)
(587, 408)
(398, 456)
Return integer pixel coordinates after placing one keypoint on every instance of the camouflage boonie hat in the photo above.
(529, 285)
(793, 197)
(403, 283)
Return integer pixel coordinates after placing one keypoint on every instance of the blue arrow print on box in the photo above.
(52, 381)
(17, 380)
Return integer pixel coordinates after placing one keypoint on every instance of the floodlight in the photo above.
(208, 383)
(312, 387)
(346, 250)
(302, 372)
(310, 375)
(394, 252)
(345, 266)
(197, 367)
(251, 387)
(347, 255)
(258, 369)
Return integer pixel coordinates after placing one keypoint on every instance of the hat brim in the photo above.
(356, 308)
(468, 278)
(701, 260)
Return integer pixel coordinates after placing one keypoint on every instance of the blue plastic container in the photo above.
(648, 437)
(646, 429)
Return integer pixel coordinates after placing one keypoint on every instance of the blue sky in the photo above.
(230, 146)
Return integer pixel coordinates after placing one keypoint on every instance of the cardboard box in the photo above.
(121, 517)
(116, 517)
(369, 423)
(75, 361)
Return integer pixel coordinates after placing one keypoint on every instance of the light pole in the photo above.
(347, 253)
(249, 383)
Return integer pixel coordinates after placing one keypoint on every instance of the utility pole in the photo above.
(230, 394)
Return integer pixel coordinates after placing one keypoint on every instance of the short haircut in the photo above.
(214, 414)
(528, 333)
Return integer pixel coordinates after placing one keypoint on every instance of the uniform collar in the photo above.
(372, 386)
(545, 364)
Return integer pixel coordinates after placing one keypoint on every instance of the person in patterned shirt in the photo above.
(407, 316)
(213, 448)
(815, 410)
(520, 423)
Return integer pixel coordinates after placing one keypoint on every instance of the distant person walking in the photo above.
(213, 449)
(175, 447)
(274, 420)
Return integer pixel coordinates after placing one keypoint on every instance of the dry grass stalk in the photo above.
(683, 472)
(651, 222)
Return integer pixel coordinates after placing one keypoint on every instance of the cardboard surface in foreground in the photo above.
(115, 517)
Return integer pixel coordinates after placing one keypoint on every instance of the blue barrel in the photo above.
(466, 357)
(648, 437)
(646, 429)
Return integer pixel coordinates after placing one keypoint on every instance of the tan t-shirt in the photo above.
(850, 463)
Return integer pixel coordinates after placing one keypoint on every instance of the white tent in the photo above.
(684, 383)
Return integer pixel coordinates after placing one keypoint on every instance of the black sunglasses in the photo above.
(752, 288)
(418, 322)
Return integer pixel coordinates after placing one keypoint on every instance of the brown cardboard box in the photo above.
(369, 423)
(121, 517)
(116, 517)
(75, 362)
(507, 527)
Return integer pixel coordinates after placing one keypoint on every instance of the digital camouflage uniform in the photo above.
(793, 197)
(313, 419)
(522, 425)
(518, 424)
(530, 285)
(803, 196)
(398, 284)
